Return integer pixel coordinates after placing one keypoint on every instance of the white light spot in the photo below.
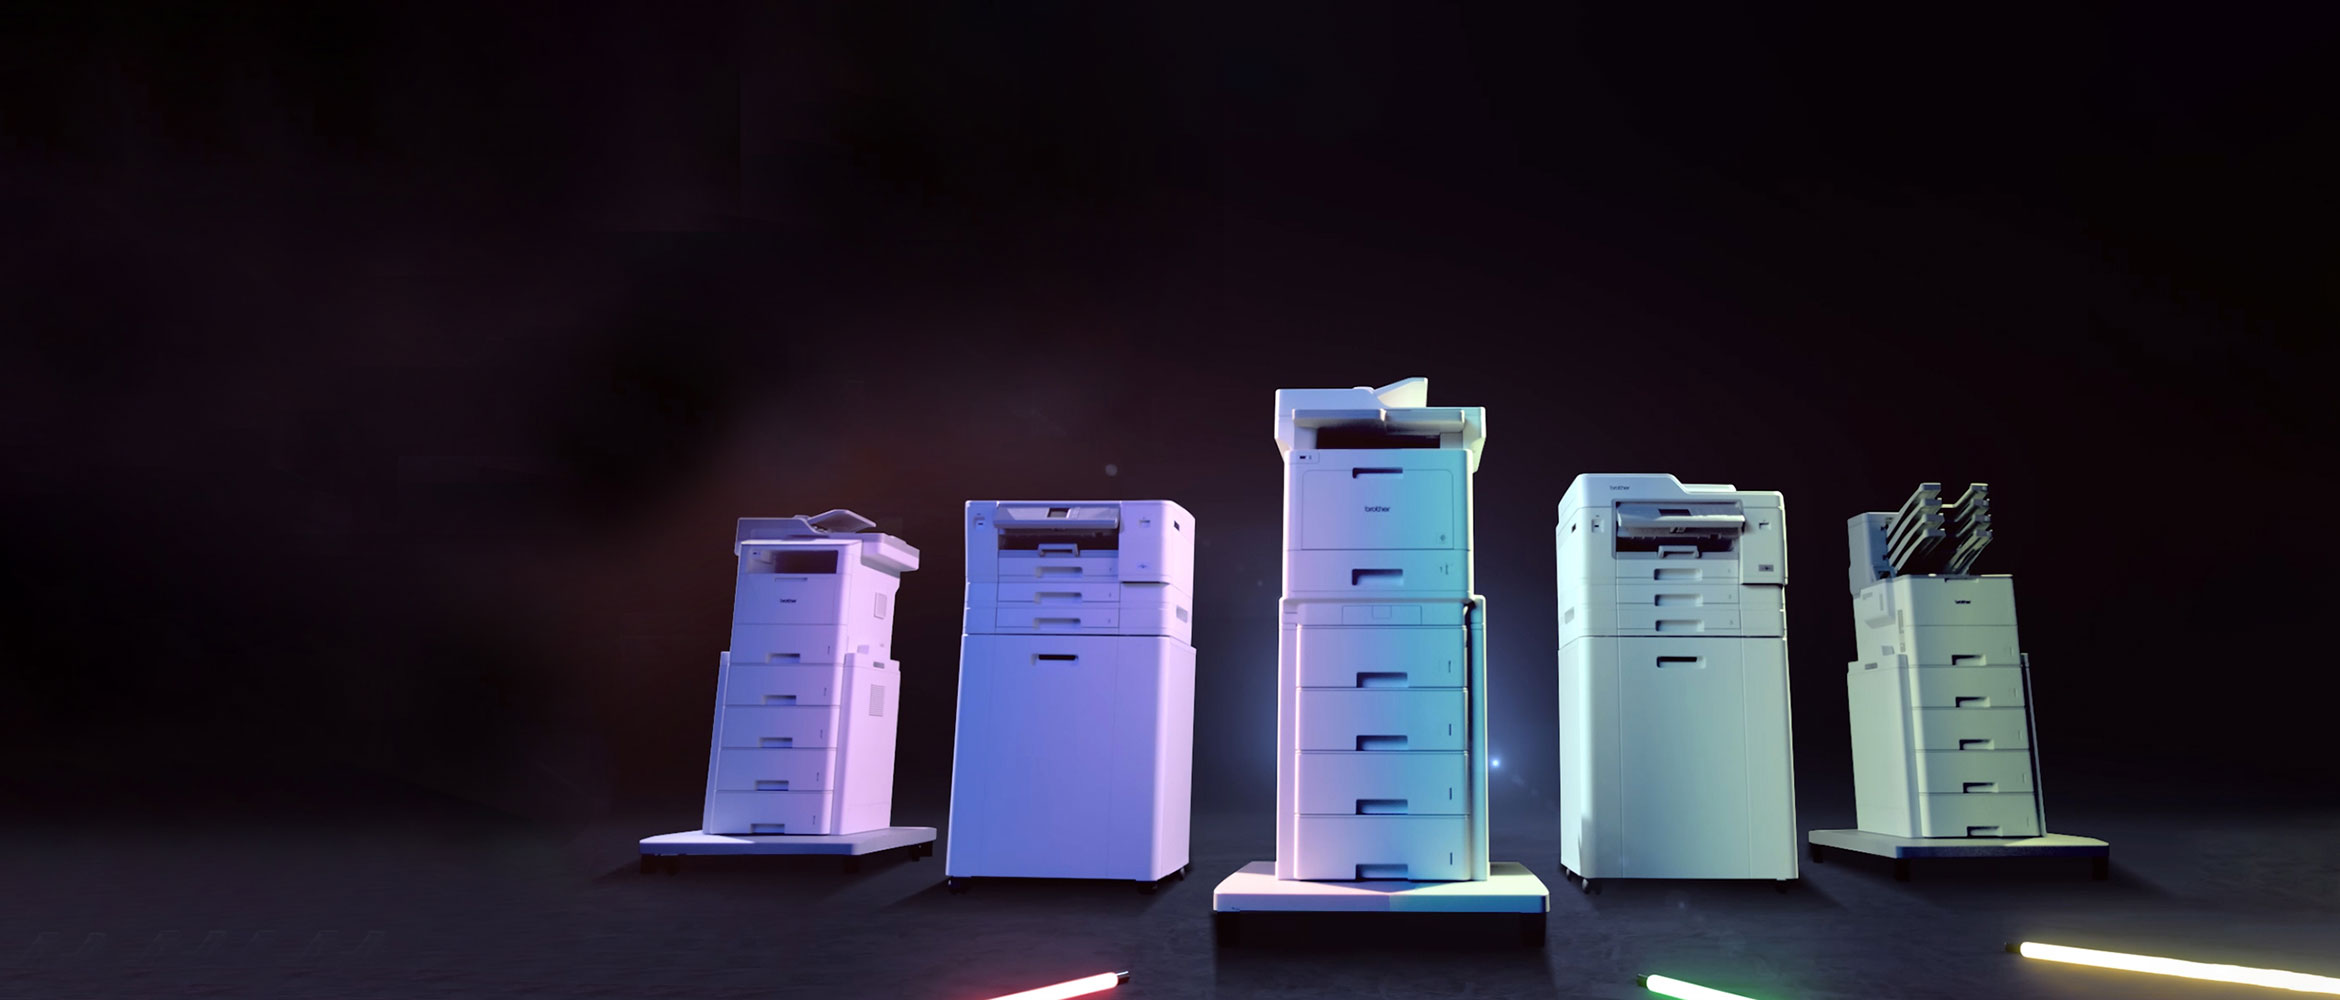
(1112, 469)
(1494, 762)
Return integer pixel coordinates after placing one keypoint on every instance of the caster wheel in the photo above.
(2100, 869)
(649, 863)
(1590, 887)
(1531, 930)
(1225, 930)
(1149, 888)
(957, 886)
(1181, 875)
(1901, 869)
(1819, 855)
(1569, 877)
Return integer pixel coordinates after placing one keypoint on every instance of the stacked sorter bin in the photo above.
(1381, 734)
(1074, 752)
(805, 699)
(1941, 724)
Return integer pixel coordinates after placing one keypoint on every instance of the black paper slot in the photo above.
(1344, 438)
(1381, 807)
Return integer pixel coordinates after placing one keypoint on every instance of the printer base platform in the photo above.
(1903, 850)
(1509, 888)
(665, 851)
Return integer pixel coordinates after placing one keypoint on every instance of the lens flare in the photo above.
(1072, 988)
(1680, 990)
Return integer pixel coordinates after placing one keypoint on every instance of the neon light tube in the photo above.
(1071, 988)
(1680, 990)
(2274, 978)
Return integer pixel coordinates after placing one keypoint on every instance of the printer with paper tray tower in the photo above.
(1381, 767)
(805, 698)
(1075, 738)
(1675, 746)
(1941, 713)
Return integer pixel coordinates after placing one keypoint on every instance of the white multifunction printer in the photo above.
(1944, 746)
(1675, 756)
(1381, 738)
(1075, 740)
(804, 700)
(1940, 725)
(802, 759)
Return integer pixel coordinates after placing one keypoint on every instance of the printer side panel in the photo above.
(865, 764)
(1157, 544)
(1173, 780)
(982, 542)
(1480, 866)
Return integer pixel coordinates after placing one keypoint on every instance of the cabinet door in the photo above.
(1707, 784)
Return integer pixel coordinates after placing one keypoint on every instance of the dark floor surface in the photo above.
(433, 903)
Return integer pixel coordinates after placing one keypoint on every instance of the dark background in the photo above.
(381, 383)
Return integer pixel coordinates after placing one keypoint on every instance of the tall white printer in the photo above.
(1381, 680)
(1675, 757)
(1939, 688)
(1075, 742)
(802, 758)
(1381, 744)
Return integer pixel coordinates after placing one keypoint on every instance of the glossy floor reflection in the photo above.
(425, 899)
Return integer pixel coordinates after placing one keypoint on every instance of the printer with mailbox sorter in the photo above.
(1675, 754)
(1075, 738)
(1941, 718)
(1381, 760)
(805, 698)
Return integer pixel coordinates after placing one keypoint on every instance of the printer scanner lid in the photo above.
(881, 550)
(1020, 517)
(1399, 407)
